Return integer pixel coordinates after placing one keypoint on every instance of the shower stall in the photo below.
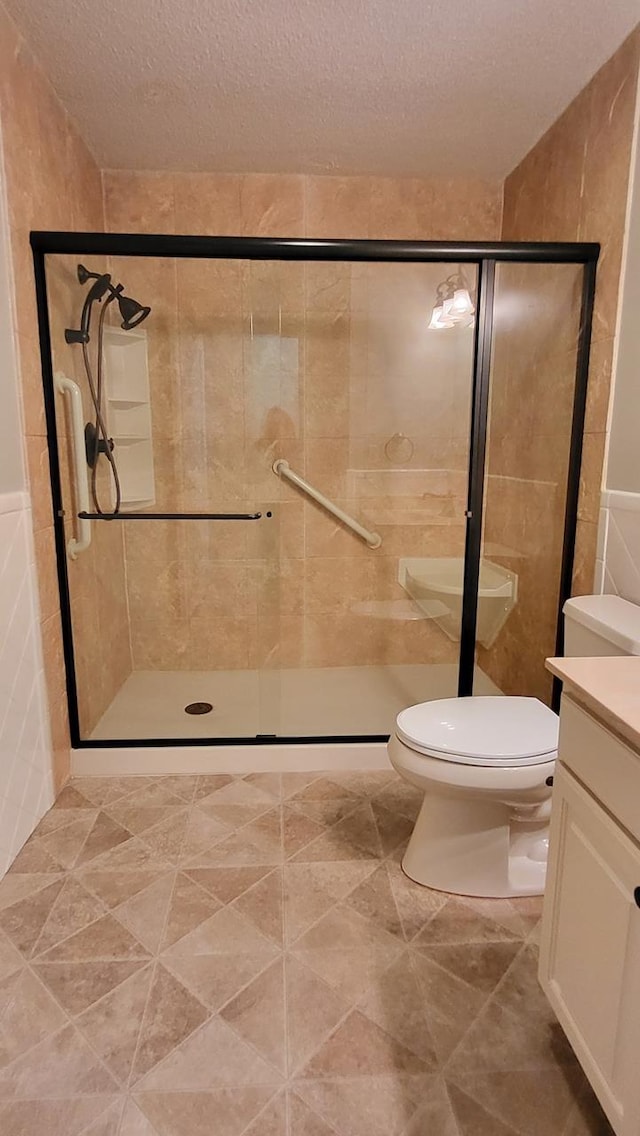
(299, 485)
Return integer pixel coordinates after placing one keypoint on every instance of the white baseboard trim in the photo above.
(618, 499)
(156, 761)
(15, 502)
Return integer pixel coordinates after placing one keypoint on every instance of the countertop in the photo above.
(608, 687)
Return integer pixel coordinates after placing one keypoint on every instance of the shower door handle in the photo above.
(86, 516)
(82, 540)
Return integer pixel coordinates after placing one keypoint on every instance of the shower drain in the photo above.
(198, 708)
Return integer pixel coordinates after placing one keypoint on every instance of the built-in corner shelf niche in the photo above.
(128, 400)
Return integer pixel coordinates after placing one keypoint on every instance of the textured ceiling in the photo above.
(410, 87)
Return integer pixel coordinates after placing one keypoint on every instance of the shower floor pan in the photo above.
(299, 703)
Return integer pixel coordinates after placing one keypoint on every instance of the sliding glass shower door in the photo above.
(358, 414)
(532, 392)
(322, 483)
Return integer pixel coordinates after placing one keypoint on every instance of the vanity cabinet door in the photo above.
(590, 949)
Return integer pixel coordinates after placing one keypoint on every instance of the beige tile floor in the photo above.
(217, 956)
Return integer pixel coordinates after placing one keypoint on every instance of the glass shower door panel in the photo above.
(384, 437)
(172, 643)
(295, 624)
(532, 384)
(273, 321)
(100, 625)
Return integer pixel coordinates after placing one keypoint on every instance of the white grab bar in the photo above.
(283, 469)
(82, 540)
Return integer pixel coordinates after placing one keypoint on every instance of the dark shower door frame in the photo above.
(485, 256)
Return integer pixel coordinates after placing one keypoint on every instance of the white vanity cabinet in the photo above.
(590, 948)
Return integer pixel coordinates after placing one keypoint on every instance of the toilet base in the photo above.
(467, 846)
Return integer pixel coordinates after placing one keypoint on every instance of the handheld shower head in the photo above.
(104, 292)
(131, 311)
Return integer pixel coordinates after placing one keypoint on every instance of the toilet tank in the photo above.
(601, 625)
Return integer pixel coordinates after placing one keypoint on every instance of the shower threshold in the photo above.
(296, 702)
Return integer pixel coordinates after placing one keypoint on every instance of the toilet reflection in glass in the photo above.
(486, 767)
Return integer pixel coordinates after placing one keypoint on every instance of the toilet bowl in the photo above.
(485, 765)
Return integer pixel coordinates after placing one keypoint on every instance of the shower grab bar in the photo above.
(171, 516)
(82, 540)
(282, 469)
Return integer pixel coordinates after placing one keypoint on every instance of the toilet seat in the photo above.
(501, 731)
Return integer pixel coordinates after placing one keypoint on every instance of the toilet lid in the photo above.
(481, 731)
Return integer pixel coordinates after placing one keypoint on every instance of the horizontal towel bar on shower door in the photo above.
(82, 540)
(283, 469)
(171, 516)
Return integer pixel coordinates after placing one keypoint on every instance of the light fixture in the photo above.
(454, 306)
(461, 303)
(438, 319)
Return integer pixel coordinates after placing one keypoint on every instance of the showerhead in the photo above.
(131, 311)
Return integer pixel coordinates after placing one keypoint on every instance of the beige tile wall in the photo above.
(52, 183)
(572, 186)
(322, 364)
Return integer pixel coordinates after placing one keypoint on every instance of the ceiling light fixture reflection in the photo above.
(454, 306)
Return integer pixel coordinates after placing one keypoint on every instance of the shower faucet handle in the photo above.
(94, 445)
(73, 335)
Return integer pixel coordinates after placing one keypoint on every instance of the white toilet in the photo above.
(486, 768)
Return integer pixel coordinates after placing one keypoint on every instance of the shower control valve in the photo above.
(94, 445)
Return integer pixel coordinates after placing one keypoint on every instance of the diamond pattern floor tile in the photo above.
(112, 1025)
(73, 909)
(115, 887)
(28, 1014)
(304, 1121)
(62, 1065)
(225, 1112)
(359, 1047)
(272, 1121)
(109, 1123)
(18, 885)
(216, 979)
(66, 843)
(10, 959)
(244, 955)
(368, 1105)
(263, 905)
(314, 1009)
(473, 1119)
(171, 1014)
(257, 1014)
(56, 819)
(227, 884)
(105, 939)
(214, 1056)
(23, 921)
(145, 914)
(76, 986)
(190, 905)
(526, 1101)
(66, 1117)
